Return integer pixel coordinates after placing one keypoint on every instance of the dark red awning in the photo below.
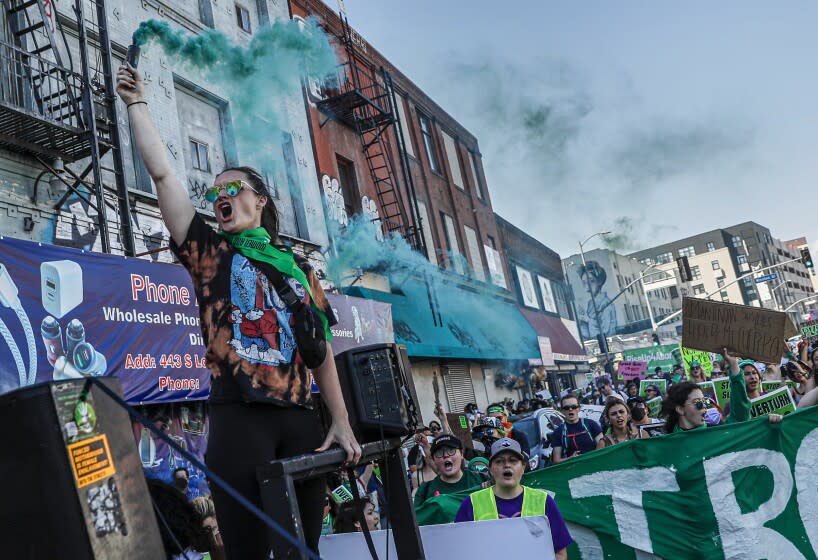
(563, 343)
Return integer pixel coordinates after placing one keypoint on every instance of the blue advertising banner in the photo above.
(68, 313)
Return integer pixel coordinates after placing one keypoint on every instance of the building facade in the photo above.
(547, 302)
(719, 257)
(387, 154)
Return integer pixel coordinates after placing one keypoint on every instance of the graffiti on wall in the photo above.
(371, 213)
(334, 200)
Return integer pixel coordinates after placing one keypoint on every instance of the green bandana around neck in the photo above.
(255, 244)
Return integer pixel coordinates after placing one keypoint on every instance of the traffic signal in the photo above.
(806, 258)
(684, 269)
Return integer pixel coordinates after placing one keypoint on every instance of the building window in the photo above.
(741, 259)
(696, 272)
(243, 18)
(349, 185)
(474, 254)
(720, 283)
(198, 156)
(490, 240)
(736, 241)
(455, 256)
(698, 289)
(687, 252)
(404, 125)
(426, 228)
(428, 142)
(664, 258)
(748, 282)
(478, 186)
(450, 147)
(724, 297)
(710, 247)
(674, 292)
(628, 313)
(715, 265)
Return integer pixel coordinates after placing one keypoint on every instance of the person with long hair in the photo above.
(618, 417)
(260, 397)
(685, 407)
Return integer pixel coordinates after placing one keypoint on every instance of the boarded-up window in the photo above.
(454, 161)
(404, 125)
(455, 256)
(473, 247)
(426, 228)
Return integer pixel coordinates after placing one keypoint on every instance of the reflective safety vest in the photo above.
(485, 506)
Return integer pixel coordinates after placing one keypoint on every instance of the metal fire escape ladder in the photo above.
(372, 121)
(31, 32)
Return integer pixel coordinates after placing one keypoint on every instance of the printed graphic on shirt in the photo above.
(261, 321)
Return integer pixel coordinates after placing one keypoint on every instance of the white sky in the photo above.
(658, 120)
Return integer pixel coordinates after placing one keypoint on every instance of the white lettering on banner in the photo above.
(743, 535)
(588, 543)
(626, 496)
(807, 488)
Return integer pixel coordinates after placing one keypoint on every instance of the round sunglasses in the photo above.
(233, 188)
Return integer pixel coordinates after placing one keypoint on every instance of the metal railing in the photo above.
(351, 77)
(39, 87)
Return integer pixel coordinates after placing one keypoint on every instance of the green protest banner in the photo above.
(722, 387)
(655, 356)
(645, 383)
(776, 402)
(654, 407)
(704, 358)
(736, 491)
(809, 331)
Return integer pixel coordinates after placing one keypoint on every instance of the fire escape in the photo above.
(60, 116)
(363, 99)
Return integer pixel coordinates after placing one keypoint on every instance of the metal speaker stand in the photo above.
(277, 481)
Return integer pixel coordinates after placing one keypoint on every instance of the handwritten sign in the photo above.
(809, 331)
(767, 386)
(777, 402)
(632, 369)
(705, 360)
(750, 332)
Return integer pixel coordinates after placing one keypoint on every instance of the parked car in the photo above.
(537, 426)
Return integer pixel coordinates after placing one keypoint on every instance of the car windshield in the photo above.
(529, 427)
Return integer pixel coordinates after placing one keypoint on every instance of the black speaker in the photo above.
(72, 481)
(374, 381)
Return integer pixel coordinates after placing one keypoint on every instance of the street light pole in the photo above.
(603, 336)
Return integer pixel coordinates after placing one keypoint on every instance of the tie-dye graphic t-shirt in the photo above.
(251, 349)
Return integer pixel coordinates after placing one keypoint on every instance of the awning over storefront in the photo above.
(563, 344)
(448, 321)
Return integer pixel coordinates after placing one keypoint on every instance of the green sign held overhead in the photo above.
(776, 402)
(703, 358)
(733, 492)
(645, 383)
(665, 356)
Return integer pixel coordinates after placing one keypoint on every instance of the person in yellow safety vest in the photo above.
(509, 498)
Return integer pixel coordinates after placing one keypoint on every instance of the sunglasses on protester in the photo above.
(701, 404)
(570, 407)
(233, 188)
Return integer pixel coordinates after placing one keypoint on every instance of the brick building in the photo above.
(384, 149)
(547, 302)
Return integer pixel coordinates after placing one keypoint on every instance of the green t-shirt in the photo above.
(436, 486)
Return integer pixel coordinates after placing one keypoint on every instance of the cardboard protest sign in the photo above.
(652, 430)
(750, 332)
(809, 331)
(777, 402)
(654, 407)
(632, 369)
(705, 359)
(709, 390)
(645, 383)
(459, 423)
(721, 385)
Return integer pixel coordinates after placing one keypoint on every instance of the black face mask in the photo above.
(638, 413)
(180, 483)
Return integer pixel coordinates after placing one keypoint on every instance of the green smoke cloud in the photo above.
(257, 78)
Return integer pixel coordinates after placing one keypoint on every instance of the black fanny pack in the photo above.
(307, 328)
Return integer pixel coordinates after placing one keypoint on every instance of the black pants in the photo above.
(244, 436)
